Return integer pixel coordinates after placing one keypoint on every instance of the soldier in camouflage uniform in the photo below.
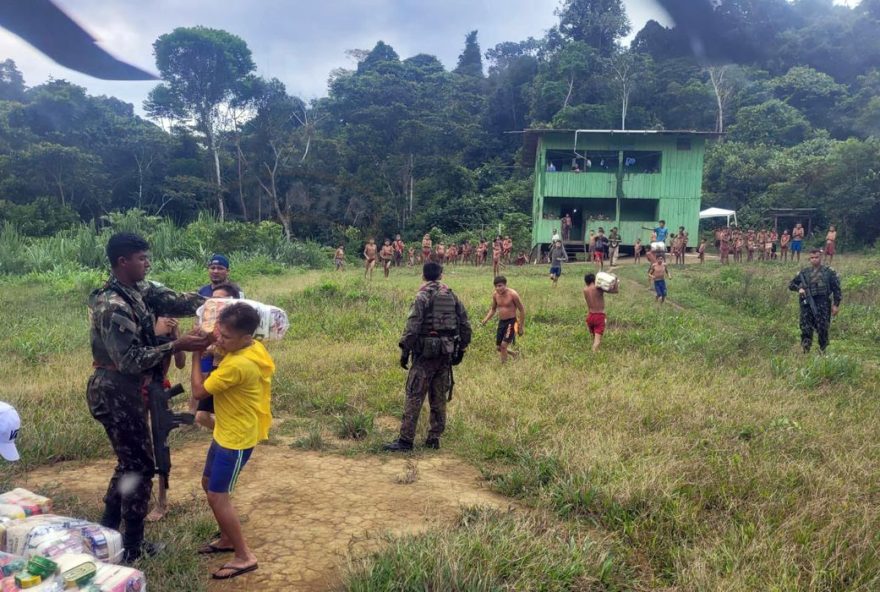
(436, 335)
(126, 356)
(819, 290)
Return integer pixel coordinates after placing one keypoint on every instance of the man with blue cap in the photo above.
(218, 272)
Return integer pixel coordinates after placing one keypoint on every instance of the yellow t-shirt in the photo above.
(241, 386)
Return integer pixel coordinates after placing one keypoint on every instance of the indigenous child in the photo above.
(204, 409)
(452, 254)
(398, 250)
(784, 241)
(521, 259)
(797, 238)
(481, 252)
(386, 254)
(511, 317)
(768, 246)
(830, 243)
(166, 328)
(426, 248)
(370, 252)
(506, 248)
(701, 251)
(677, 249)
(658, 273)
(241, 387)
(595, 298)
(339, 258)
(412, 256)
(637, 251)
(496, 257)
(725, 246)
(600, 247)
(440, 253)
(557, 256)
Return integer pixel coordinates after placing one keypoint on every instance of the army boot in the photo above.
(399, 445)
(433, 443)
(134, 544)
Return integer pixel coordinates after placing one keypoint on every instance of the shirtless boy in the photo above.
(658, 273)
(412, 256)
(784, 240)
(440, 253)
(370, 252)
(481, 252)
(830, 243)
(386, 254)
(427, 243)
(797, 239)
(339, 258)
(595, 298)
(496, 257)
(701, 251)
(637, 251)
(506, 248)
(398, 250)
(511, 317)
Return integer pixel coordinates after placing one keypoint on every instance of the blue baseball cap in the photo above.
(218, 259)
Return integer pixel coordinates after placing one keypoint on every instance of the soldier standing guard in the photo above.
(125, 355)
(436, 335)
(819, 290)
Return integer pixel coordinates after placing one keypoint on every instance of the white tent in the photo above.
(719, 213)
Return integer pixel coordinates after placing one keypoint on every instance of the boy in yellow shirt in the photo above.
(241, 387)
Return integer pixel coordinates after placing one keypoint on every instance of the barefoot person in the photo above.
(784, 241)
(701, 251)
(637, 251)
(496, 257)
(370, 253)
(427, 244)
(595, 298)
(830, 243)
(511, 317)
(658, 273)
(797, 241)
(398, 250)
(557, 256)
(339, 258)
(241, 387)
(386, 254)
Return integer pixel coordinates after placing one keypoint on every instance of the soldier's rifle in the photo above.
(162, 421)
(807, 298)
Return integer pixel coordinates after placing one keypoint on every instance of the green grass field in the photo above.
(698, 450)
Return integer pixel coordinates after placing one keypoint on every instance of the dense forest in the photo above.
(403, 145)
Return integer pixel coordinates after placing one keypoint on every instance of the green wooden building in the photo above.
(629, 179)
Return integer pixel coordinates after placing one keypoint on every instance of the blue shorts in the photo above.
(796, 246)
(660, 288)
(557, 271)
(222, 467)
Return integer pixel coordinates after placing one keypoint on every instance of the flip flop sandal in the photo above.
(236, 571)
(210, 549)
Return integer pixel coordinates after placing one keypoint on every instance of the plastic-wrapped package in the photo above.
(9, 563)
(12, 511)
(30, 503)
(606, 281)
(273, 320)
(51, 536)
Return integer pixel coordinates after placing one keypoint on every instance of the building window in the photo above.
(641, 161)
(591, 161)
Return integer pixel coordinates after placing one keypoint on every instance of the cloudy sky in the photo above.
(297, 41)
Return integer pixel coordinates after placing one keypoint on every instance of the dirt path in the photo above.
(308, 512)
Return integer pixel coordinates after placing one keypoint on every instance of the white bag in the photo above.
(273, 320)
(606, 281)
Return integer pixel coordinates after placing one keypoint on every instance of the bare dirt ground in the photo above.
(307, 513)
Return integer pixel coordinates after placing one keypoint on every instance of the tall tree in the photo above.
(11, 82)
(202, 69)
(470, 62)
(598, 23)
(627, 69)
(723, 88)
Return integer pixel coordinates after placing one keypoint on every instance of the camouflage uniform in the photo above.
(429, 376)
(824, 286)
(125, 354)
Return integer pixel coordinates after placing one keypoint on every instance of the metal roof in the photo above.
(531, 136)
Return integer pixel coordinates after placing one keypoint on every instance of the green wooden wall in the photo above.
(677, 187)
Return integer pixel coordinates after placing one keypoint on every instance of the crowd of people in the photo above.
(767, 244)
(135, 336)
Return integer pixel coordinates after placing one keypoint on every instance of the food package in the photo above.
(273, 320)
(30, 503)
(12, 511)
(606, 281)
(658, 247)
(10, 563)
(108, 578)
(51, 536)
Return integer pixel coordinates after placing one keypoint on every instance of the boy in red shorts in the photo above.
(595, 297)
(241, 387)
